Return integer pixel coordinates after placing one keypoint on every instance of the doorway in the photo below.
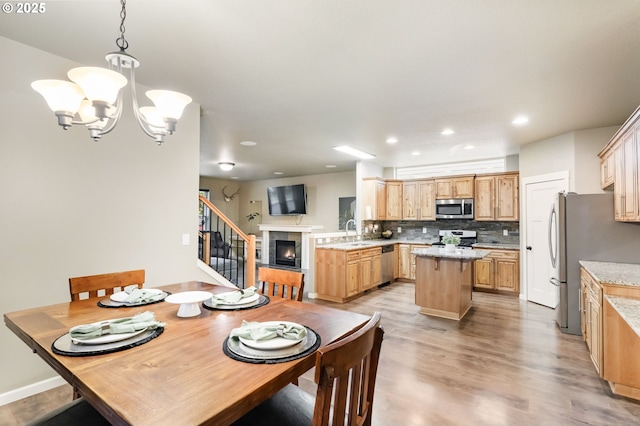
(539, 192)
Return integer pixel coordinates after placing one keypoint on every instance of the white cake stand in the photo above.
(189, 302)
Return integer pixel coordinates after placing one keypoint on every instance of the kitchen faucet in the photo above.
(346, 229)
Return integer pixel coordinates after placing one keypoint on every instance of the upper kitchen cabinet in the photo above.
(497, 197)
(375, 198)
(455, 187)
(394, 200)
(418, 200)
(622, 154)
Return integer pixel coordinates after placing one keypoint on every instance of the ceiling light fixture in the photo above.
(226, 166)
(447, 132)
(391, 141)
(415, 153)
(95, 100)
(520, 120)
(352, 151)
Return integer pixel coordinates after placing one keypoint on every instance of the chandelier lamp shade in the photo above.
(93, 97)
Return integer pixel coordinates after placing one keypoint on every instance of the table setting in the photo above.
(108, 336)
(132, 296)
(236, 300)
(270, 342)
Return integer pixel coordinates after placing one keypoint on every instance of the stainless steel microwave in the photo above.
(457, 208)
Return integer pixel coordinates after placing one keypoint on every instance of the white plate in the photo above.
(243, 301)
(121, 296)
(107, 338)
(272, 344)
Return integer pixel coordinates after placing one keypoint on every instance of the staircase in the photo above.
(226, 250)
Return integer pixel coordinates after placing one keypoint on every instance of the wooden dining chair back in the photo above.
(94, 284)
(281, 283)
(346, 376)
(345, 373)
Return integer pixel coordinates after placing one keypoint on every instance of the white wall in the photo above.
(72, 207)
(588, 143)
(576, 152)
(323, 192)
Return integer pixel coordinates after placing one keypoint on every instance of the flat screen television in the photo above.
(287, 200)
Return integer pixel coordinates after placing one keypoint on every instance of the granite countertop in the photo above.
(625, 274)
(363, 244)
(497, 246)
(629, 310)
(457, 254)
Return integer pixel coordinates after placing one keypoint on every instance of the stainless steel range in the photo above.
(467, 238)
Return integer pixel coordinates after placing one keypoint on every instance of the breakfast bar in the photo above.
(444, 281)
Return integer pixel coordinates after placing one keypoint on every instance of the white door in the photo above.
(539, 197)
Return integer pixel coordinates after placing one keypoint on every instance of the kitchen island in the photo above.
(444, 281)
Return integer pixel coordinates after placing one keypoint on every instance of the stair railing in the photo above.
(227, 249)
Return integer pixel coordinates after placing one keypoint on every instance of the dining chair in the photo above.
(75, 413)
(281, 282)
(92, 284)
(345, 373)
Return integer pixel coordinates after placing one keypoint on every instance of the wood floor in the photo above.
(505, 363)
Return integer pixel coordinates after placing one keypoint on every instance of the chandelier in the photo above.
(95, 99)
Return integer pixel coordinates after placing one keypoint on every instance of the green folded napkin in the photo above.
(140, 295)
(233, 296)
(116, 326)
(266, 331)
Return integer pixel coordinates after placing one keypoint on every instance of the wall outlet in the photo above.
(505, 232)
(399, 230)
(424, 230)
(186, 240)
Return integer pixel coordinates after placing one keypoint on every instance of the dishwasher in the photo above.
(387, 264)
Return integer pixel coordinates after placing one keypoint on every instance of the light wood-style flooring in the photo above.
(505, 363)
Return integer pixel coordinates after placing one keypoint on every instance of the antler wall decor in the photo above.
(228, 198)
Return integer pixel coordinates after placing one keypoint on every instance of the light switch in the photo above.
(424, 230)
(186, 240)
(399, 230)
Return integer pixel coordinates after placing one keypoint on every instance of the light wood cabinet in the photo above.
(374, 199)
(404, 261)
(418, 200)
(454, 187)
(607, 170)
(413, 258)
(591, 313)
(394, 200)
(620, 166)
(342, 275)
(497, 197)
(499, 271)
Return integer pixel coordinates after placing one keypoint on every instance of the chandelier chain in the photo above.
(121, 42)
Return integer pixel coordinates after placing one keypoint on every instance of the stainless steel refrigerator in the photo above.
(582, 227)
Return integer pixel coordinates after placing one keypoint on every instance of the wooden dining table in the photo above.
(181, 377)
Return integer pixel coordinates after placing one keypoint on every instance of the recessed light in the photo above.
(520, 120)
(415, 153)
(278, 173)
(469, 147)
(330, 166)
(248, 143)
(447, 132)
(391, 141)
(352, 151)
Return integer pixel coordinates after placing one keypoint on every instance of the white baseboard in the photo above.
(32, 389)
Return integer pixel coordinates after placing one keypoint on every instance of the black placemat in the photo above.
(64, 346)
(308, 350)
(262, 300)
(108, 303)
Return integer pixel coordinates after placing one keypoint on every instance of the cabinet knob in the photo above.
(528, 247)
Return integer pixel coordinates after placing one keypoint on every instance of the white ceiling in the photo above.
(299, 77)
